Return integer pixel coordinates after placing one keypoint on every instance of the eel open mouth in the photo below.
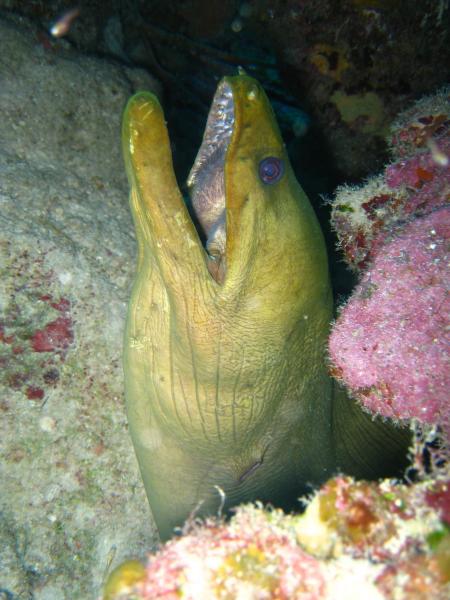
(206, 181)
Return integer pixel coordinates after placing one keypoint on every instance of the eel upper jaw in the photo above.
(219, 128)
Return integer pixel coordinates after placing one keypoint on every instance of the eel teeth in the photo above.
(218, 131)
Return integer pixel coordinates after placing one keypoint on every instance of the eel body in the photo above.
(226, 380)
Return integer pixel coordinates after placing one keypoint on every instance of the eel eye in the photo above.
(271, 169)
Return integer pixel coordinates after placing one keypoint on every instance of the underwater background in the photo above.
(338, 74)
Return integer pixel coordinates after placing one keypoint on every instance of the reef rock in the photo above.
(71, 500)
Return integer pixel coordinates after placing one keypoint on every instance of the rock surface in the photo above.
(71, 500)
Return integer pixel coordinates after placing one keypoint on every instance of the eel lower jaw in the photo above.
(206, 181)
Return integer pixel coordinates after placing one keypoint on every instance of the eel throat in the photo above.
(226, 379)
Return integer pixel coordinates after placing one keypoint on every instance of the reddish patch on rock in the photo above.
(34, 393)
(57, 335)
(371, 205)
(423, 174)
(36, 330)
(439, 499)
(355, 247)
(63, 305)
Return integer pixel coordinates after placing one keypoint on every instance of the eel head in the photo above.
(225, 376)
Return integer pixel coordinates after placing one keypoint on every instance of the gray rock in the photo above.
(71, 499)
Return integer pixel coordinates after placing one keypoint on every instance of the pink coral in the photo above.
(381, 539)
(390, 343)
(219, 561)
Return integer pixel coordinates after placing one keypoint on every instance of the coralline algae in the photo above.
(355, 539)
(390, 343)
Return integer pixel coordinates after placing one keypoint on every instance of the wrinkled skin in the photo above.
(226, 379)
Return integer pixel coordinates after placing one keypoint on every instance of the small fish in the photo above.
(63, 23)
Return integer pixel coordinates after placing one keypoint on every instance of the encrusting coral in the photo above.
(381, 540)
(390, 343)
(414, 184)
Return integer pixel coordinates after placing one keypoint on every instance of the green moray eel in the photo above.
(227, 391)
